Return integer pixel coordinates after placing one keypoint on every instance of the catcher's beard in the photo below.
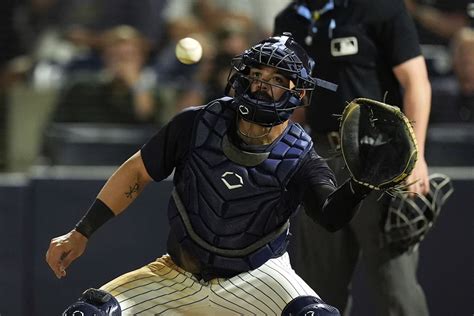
(254, 134)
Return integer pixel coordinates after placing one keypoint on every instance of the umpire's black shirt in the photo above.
(356, 46)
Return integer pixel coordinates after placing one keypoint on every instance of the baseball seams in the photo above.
(162, 288)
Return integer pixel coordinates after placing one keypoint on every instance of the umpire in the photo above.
(370, 49)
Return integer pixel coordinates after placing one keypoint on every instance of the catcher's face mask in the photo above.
(408, 220)
(287, 59)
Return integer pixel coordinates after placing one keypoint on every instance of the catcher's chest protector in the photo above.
(228, 214)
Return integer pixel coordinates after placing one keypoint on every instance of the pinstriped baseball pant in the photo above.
(162, 288)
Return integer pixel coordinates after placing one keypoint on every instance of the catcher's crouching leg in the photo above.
(94, 302)
(309, 305)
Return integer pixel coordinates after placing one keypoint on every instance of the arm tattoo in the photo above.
(132, 189)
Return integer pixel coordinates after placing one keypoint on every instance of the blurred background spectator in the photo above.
(120, 92)
(463, 57)
(445, 33)
(437, 22)
(453, 96)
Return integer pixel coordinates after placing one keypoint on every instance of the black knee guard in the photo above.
(309, 305)
(94, 302)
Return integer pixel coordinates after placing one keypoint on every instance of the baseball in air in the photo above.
(188, 50)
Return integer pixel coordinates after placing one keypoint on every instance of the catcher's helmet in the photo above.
(408, 220)
(290, 60)
(94, 302)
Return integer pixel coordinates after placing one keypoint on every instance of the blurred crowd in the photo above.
(88, 67)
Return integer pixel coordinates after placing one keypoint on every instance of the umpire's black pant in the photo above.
(326, 261)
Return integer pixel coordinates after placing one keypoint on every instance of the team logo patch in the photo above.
(232, 180)
(344, 46)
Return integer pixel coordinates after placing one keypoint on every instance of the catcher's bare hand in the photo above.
(63, 250)
(419, 179)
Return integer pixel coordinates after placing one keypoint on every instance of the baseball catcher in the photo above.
(242, 169)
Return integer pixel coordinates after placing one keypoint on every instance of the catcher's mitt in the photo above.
(407, 220)
(377, 143)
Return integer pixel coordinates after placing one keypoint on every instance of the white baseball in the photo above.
(188, 50)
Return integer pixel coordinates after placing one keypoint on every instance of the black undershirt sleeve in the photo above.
(332, 207)
(167, 148)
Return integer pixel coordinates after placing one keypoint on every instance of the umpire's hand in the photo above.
(419, 179)
(63, 250)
